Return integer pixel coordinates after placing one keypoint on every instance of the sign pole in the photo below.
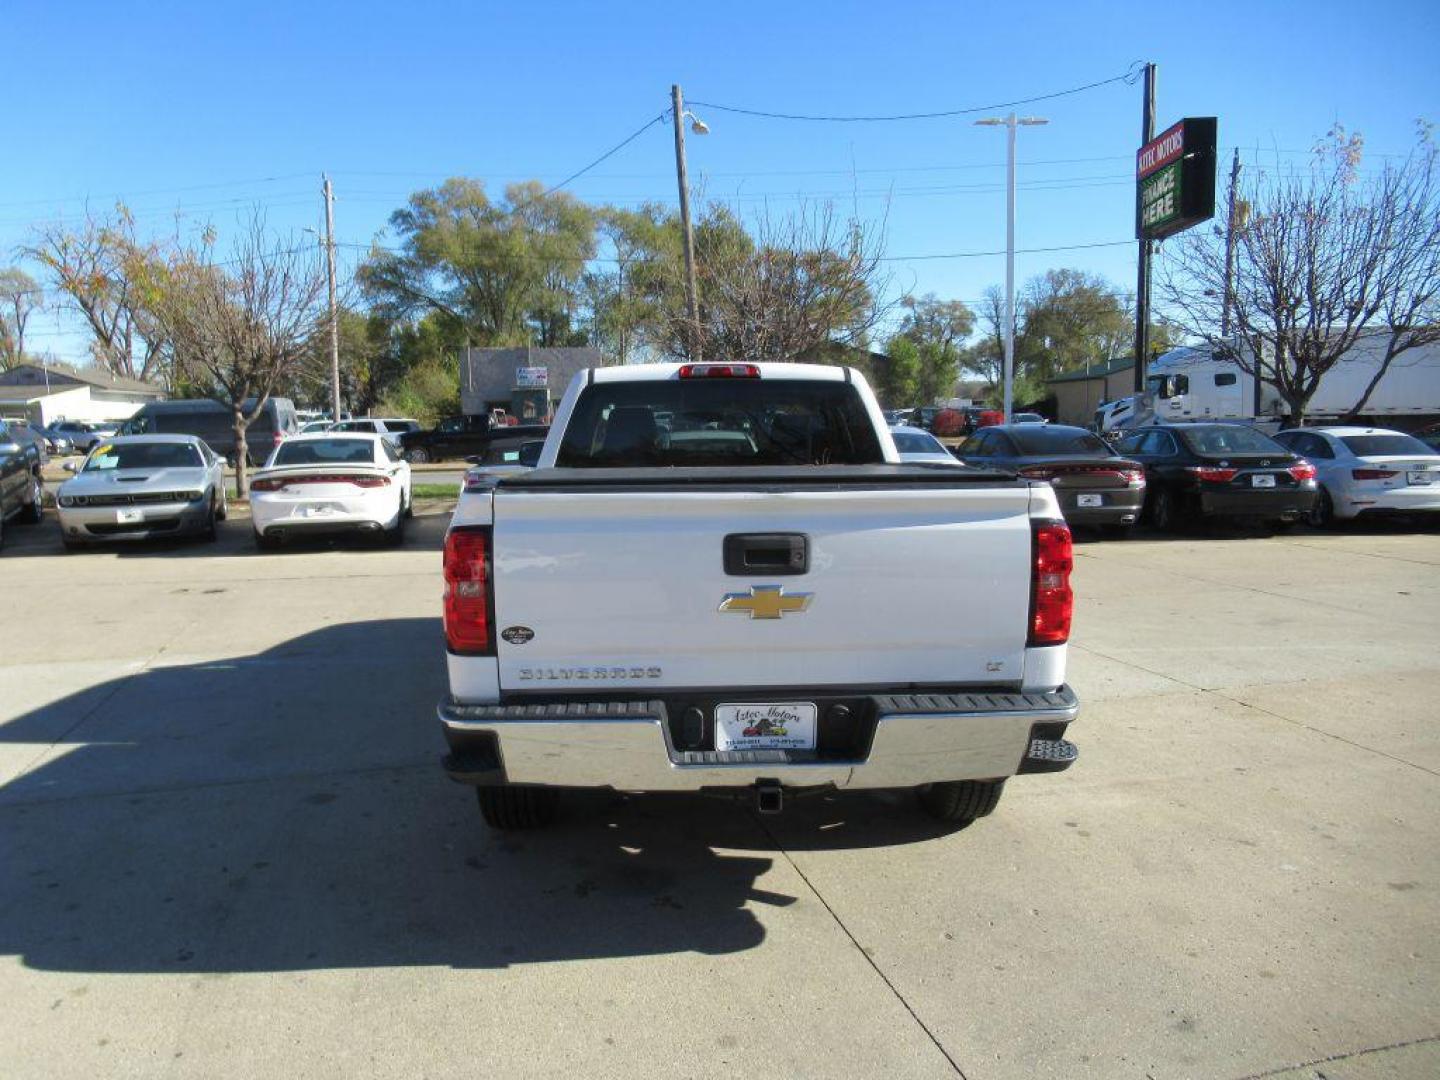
(1142, 275)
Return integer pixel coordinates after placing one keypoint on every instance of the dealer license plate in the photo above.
(1262, 480)
(129, 517)
(765, 726)
(318, 511)
(1420, 477)
(1089, 500)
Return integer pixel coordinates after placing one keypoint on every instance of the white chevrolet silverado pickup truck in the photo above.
(720, 578)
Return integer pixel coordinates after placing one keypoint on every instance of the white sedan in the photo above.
(1367, 471)
(330, 483)
(916, 444)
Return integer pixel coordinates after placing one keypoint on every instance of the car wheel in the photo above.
(395, 535)
(72, 546)
(409, 503)
(418, 456)
(1163, 512)
(210, 533)
(1322, 513)
(224, 512)
(960, 802)
(506, 807)
(34, 511)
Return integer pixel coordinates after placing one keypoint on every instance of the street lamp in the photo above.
(699, 127)
(1010, 123)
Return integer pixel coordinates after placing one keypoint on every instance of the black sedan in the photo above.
(1219, 470)
(1095, 485)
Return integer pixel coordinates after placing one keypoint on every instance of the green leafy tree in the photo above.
(504, 273)
(899, 380)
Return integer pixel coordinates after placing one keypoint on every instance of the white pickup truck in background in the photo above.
(720, 578)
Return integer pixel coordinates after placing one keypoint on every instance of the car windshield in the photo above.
(164, 455)
(917, 442)
(1391, 445)
(1231, 439)
(718, 422)
(1056, 439)
(325, 452)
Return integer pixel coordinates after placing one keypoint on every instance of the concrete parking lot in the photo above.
(226, 848)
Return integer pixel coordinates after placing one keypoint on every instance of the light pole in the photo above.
(1010, 123)
(677, 106)
(329, 242)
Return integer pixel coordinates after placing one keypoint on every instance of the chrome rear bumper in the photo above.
(918, 739)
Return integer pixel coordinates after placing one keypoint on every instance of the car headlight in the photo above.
(194, 496)
(65, 500)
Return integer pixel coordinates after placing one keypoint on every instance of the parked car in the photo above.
(1219, 470)
(215, 424)
(922, 416)
(1095, 485)
(502, 461)
(312, 426)
(389, 428)
(916, 445)
(645, 612)
(21, 494)
(1028, 418)
(330, 483)
(465, 436)
(57, 441)
(1430, 436)
(140, 487)
(22, 432)
(82, 435)
(1367, 472)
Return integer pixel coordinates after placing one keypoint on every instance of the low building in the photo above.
(526, 382)
(1079, 393)
(44, 393)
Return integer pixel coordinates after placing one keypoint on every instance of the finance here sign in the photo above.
(1175, 179)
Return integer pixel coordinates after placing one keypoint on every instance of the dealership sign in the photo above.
(531, 378)
(1175, 179)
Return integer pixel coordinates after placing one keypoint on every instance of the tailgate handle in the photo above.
(748, 554)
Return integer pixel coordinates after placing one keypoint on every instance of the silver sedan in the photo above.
(138, 487)
(1367, 472)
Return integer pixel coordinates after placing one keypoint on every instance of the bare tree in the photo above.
(785, 288)
(19, 297)
(1327, 258)
(241, 327)
(987, 357)
(107, 274)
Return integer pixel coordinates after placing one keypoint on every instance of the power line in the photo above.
(658, 119)
(1128, 76)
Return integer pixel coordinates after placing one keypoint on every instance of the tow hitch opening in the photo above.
(769, 797)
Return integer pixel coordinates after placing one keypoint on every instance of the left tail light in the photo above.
(469, 610)
(1052, 603)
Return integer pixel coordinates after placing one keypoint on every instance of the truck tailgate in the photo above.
(622, 586)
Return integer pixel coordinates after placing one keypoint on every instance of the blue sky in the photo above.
(208, 109)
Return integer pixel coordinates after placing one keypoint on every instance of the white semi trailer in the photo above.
(1193, 383)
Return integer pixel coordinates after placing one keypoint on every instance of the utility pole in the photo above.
(1230, 250)
(1010, 123)
(677, 106)
(1142, 276)
(334, 312)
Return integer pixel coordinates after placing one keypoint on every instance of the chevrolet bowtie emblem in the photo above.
(766, 602)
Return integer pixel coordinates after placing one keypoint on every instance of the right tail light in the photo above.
(1052, 603)
(469, 611)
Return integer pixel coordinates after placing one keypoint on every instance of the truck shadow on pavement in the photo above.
(286, 811)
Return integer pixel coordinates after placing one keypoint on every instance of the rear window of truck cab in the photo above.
(719, 422)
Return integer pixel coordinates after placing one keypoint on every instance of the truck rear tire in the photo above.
(960, 802)
(508, 807)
